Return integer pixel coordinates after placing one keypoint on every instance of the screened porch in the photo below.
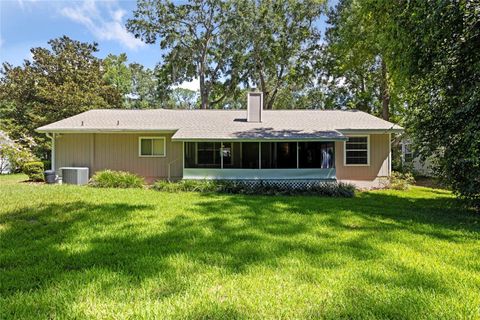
(259, 160)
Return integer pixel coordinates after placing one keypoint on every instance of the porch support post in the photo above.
(221, 155)
(259, 155)
(298, 162)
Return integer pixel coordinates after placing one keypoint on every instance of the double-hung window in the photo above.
(357, 151)
(151, 147)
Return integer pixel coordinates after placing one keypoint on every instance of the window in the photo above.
(407, 153)
(152, 147)
(357, 151)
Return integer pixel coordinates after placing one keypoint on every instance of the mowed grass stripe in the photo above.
(81, 253)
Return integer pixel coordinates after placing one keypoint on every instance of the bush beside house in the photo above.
(116, 179)
(34, 170)
(330, 189)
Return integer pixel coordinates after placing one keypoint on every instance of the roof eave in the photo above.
(69, 130)
(372, 131)
(241, 139)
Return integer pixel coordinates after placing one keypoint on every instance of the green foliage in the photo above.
(271, 44)
(197, 38)
(280, 40)
(180, 98)
(265, 188)
(117, 73)
(58, 83)
(34, 170)
(70, 252)
(355, 70)
(13, 155)
(116, 179)
(401, 180)
(434, 47)
(144, 93)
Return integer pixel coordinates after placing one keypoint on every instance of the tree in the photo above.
(117, 73)
(197, 40)
(281, 43)
(14, 155)
(431, 48)
(434, 47)
(58, 83)
(356, 71)
(144, 93)
(183, 98)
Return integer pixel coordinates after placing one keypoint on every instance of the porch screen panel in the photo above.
(202, 155)
(232, 156)
(208, 154)
(269, 158)
(190, 155)
(279, 155)
(250, 155)
(286, 155)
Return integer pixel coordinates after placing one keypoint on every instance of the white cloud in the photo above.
(193, 85)
(110, 27)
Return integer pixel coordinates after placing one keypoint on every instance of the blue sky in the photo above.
(25, 24)
(31, 23)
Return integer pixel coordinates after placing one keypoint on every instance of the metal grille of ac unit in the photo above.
(75, 175)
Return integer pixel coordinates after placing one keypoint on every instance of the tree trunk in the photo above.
(385, 93)
(203, 93)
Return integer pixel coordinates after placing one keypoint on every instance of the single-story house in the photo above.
(343, 145)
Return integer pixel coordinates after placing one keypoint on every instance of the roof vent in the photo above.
(254, 106)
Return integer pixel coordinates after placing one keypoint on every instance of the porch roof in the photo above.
(227, 124)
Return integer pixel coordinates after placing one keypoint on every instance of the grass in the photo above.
(80, 252)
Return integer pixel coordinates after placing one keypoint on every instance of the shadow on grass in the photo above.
(233, 233)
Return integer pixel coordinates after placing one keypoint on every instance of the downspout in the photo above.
(52, 161)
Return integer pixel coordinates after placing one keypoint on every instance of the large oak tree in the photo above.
(57, 83)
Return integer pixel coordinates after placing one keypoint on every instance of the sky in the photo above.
(31, 23)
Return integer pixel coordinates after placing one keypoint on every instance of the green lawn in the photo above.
(80, 252)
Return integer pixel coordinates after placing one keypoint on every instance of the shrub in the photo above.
(401, 181)
(13, 156)
(116, 179)
(34, 170)
(331, 189)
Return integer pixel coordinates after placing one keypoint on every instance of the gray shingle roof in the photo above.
(226, 124)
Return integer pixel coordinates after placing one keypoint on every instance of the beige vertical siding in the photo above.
(117, 151)
(379, 160)
(73, 150)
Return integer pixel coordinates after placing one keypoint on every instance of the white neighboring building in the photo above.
(4, 164)
(424, 168)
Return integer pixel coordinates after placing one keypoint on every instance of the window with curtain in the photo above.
(152, 147)
(356, 151)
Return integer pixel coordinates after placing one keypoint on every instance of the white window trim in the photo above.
(152, 156)
(345, 151)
